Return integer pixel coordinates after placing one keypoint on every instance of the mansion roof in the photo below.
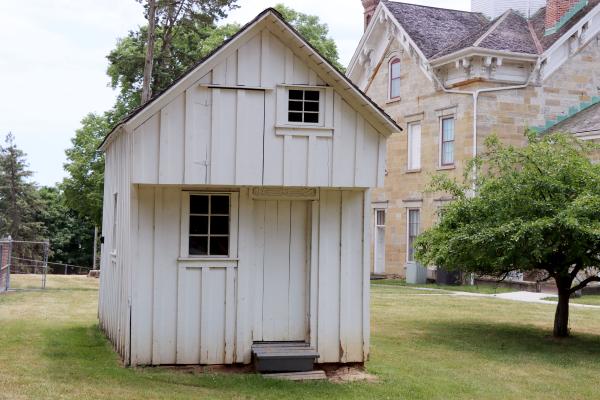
(439, 32)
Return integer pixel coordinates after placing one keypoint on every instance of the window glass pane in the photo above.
(395, 88)
(219, 246)
(219, 225)
(448, 153)
(448, 129)
(414, 220)
(295, 106)
(295, 117)
(198, 225)
(380, 217)
(198, 246)
(219, 205)
(311, 106)
(312, 95)
(395, 69)
(198, 204)
(312, 118)
(296, 94)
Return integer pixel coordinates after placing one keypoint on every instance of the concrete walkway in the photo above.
(526, 297)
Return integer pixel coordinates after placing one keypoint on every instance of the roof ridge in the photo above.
(536, 40)
(436, 8)
(492, 28)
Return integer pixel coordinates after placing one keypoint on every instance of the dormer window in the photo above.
(304, 106)
(395, 78)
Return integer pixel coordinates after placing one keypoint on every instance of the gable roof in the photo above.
(439, 32)
(334, 77)
(435, 29)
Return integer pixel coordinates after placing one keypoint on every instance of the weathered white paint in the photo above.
(232, 136)
(298, 267)
(299, 276)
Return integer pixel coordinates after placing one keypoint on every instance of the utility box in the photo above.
(445, 277)
(415, 273)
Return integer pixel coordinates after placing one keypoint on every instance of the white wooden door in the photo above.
(285, 269)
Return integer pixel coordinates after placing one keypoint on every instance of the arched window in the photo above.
(395, 78)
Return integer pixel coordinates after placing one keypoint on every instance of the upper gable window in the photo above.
(304, 106)
(395, 78)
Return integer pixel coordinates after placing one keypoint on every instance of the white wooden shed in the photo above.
(237, 208)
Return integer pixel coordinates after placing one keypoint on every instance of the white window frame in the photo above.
(441, 142)
(410, 155)
(233, 225)
(408, 210)
(325, 124)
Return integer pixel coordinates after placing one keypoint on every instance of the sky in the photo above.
(53, 63)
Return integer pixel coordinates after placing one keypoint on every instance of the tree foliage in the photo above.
(535, 208)
(18, 198)
(315, 32)
(71, 236)
(185, 32)
(83, 188)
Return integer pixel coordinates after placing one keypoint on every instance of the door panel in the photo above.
(285, 273)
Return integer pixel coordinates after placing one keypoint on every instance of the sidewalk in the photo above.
(526, 297)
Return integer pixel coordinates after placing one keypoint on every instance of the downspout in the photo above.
(475, 95)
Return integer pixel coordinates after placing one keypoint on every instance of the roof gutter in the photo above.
(475, 94)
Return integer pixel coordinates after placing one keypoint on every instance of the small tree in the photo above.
(535, 208)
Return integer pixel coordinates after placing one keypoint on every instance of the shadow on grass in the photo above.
(511, 342)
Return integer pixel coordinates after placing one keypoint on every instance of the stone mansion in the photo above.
(451, 78)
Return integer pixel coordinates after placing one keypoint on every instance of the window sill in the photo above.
(303, 130)
(394, 100)
(207, 259)
(412, 171)
(446, 167)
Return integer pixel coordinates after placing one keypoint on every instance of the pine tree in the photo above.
(19, 202)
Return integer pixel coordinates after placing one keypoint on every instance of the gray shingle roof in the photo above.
(439, 32)
(586, 121)
(435, 29)
(512, 34)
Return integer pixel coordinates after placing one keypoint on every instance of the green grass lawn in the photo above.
(483, 288)
(423, 347)
(590, 299)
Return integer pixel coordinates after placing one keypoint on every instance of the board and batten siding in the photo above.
(187, 311)
(229, 128)
(115, 280)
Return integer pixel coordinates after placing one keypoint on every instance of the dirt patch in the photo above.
(352, 373)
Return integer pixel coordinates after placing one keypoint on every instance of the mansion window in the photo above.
(394, 78)
(304, 106)
(209, 225)
(414, 146)
(447, 142)
(414, 227)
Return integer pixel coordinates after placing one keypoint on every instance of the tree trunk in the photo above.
(148, 63)
(561, 318)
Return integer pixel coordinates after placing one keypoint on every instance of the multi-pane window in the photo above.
(304, 106)
(209, 225)
(380, 218)
(395, 78)
(447, 145)
(414, 226)
(414, 146)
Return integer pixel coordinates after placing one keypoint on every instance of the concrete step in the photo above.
(299, 376)
(283, 357)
